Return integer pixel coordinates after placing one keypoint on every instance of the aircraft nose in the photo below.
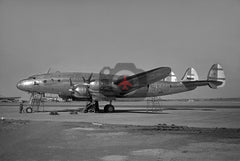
(24, 84)
(19, 85)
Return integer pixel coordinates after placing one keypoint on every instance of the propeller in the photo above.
(86, 83)
(72, 86)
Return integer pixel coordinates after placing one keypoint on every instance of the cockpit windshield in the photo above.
(32, 77)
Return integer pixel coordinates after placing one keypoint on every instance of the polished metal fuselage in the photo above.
(59, 83)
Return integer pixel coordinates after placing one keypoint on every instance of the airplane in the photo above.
(100, 87)
(125, 83)
(9, 99)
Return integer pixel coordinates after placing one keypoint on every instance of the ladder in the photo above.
(153, 104)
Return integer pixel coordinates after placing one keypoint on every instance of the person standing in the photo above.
(21, 107)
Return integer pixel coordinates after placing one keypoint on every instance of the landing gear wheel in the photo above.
(109, 108)
(29, 110)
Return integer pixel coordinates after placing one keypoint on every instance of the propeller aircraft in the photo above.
(95, 87)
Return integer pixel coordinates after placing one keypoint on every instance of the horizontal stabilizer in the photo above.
(215, 79)
(202, 83)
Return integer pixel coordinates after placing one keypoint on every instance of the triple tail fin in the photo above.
(215, 79)
(190, 75)
(216, 76)
(171, 77)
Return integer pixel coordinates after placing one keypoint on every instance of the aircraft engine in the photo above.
(84, 90)
(80, 91)
(94, 86)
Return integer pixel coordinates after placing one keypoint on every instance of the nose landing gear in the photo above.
(35, 100)
(29, 109)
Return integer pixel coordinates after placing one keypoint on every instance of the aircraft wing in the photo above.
(143, 79)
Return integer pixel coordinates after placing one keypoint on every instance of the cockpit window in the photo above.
(32, 78)
(36, 83)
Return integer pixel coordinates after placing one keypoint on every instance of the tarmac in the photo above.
(194, 114)
(135, 132)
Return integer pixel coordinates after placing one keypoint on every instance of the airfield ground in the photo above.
(182, 131)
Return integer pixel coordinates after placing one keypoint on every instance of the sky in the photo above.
(86, 35)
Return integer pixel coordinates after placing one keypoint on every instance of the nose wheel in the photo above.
(29, 110)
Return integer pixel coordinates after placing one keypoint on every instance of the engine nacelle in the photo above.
(94, 86)
(86, 90)
(80, 91)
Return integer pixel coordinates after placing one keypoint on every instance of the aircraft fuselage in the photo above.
(59, 83)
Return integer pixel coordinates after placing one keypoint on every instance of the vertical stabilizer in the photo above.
(216, 74)
(190, 75)
(171, 78)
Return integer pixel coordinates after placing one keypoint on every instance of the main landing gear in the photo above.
(93, 107)
(109, 108)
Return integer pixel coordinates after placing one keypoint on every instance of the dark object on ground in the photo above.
(73, 112)
(53, 113)
(21, 108)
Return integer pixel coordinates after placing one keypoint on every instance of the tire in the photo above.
(29, 110)
(109, 108)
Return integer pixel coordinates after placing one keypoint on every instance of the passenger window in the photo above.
(45, 81)
(59, 80)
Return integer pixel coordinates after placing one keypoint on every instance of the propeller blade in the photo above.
(72, 86)
(89, 78)
(49, 70)
(71, 83)
(83, 79)
(87, 81)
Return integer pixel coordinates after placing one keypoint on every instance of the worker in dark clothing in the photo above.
(21, 107)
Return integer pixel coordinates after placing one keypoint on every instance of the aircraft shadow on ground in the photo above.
(140, 111)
